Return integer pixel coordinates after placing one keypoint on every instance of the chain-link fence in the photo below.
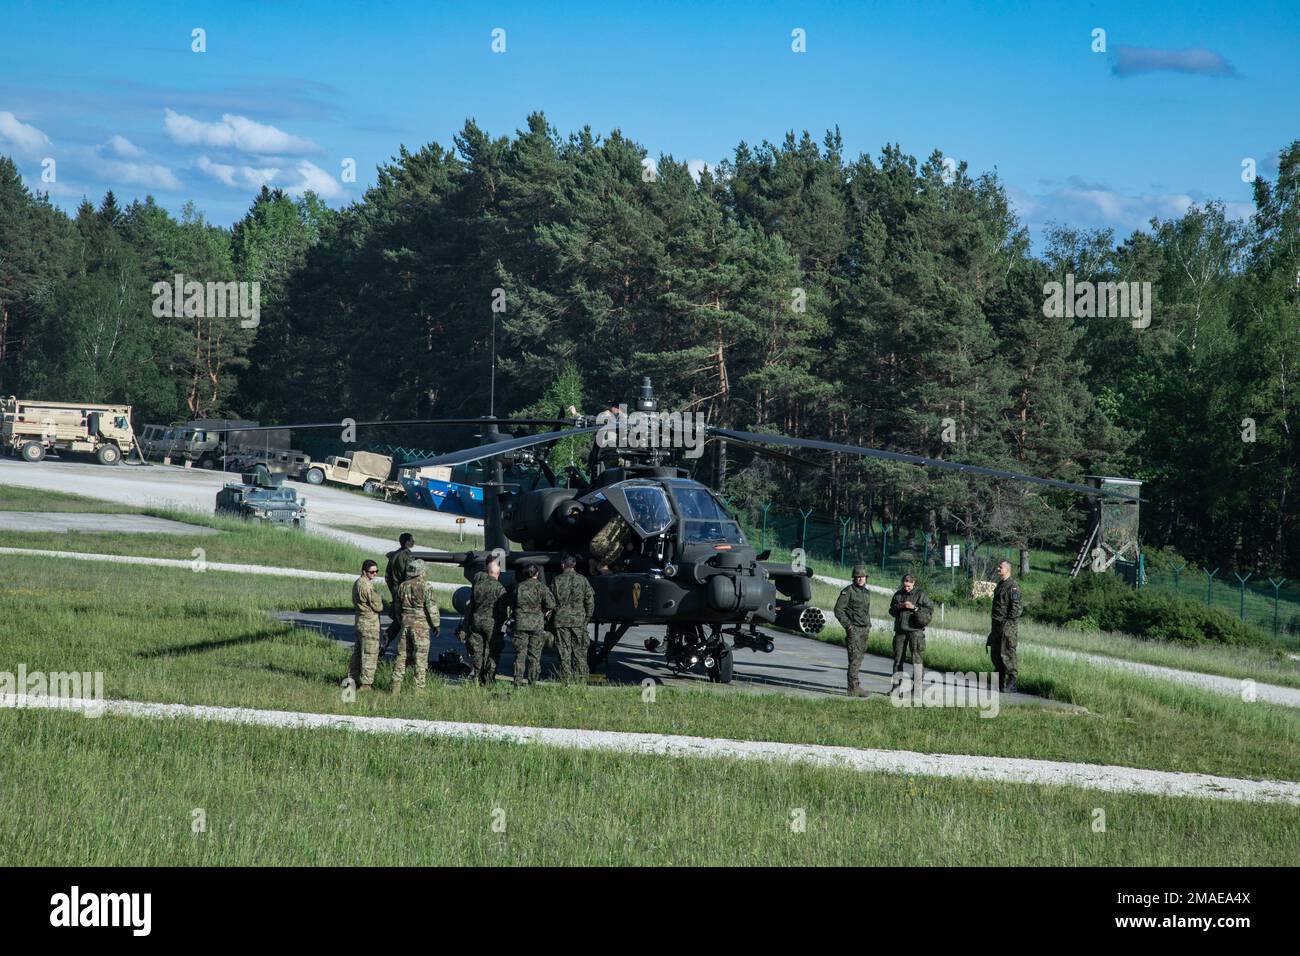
(1269, 603)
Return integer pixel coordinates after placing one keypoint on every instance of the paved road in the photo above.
(196, 489)
(64, 521)
(799, 666)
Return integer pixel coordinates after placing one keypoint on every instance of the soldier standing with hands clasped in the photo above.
(1005, 632)
(574, 603)
(911, 610)
(488, 608)
(853, 611)
(533, 602)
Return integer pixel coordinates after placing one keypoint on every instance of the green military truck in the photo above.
(31, 429)
(262, 497)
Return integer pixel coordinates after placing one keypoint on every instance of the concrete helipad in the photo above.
(800, 666)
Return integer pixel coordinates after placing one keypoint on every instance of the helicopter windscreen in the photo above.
(649, 509)
(704, 519)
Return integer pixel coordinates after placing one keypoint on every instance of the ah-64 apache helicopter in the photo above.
(658, 547)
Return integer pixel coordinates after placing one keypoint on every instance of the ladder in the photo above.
(1081, 558)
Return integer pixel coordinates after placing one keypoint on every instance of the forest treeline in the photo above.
(884, 300)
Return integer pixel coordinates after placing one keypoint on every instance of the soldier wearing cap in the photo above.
(853, 611)
(416, 607)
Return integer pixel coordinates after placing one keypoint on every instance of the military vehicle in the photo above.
(33, 428)
(363, 469)
(212, 443)
(262, 497)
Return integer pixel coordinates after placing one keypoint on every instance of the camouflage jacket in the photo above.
(488, 607)
(417, 603)
(853, 609)
(904, 622)
(1006, 604)
(574, 599)
(532, 600)
(366, 600)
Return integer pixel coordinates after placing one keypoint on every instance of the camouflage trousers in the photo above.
(528, 655)
(855, 639)
(571, 646)
(365, 652)
(413, 645)
(1002, 648)
(485, 653)
(916, 641)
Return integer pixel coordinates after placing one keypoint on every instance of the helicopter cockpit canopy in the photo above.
(643, 505)
(704, 519)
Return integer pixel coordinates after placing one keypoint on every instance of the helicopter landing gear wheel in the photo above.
(723, 668)
(652, 644)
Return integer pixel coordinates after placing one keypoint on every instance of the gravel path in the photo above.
(1101, 777)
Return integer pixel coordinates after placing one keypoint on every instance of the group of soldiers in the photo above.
(566, 607)
(912, 611)
(563, 612)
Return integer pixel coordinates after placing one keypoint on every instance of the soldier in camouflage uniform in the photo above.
(367, 604)
(574, 603)
(533, 602)
(911, 610)
(1003, 637)
(488, 608)
(417, 609)
(853, 611)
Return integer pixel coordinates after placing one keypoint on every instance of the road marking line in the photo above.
(1103, 777)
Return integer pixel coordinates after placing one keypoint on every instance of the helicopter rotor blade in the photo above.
(407, 421)
(479, 452)
(768, 452)
(914, 460)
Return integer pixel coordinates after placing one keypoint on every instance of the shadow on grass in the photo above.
(201, 647)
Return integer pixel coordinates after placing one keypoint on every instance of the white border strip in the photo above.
(1111, 779)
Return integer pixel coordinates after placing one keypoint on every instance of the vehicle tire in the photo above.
(315, 476)
(109, 455)
(724, 669)
(207, 464)
(370, 487)
(33, 451)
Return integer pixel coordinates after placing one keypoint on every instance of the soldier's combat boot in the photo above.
(1011, 686)
(857, 692)
(397, 688)
(364, 689)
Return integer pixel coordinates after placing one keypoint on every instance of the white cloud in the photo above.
(238, 177)
(149, 175)
(1095, 205)
(696, 168)
(316, 180)
(124, 148)
(20, 137)
(234, 132)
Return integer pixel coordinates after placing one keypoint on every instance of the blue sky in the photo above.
(286, 92)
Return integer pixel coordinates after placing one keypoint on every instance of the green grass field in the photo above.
(117, 791)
